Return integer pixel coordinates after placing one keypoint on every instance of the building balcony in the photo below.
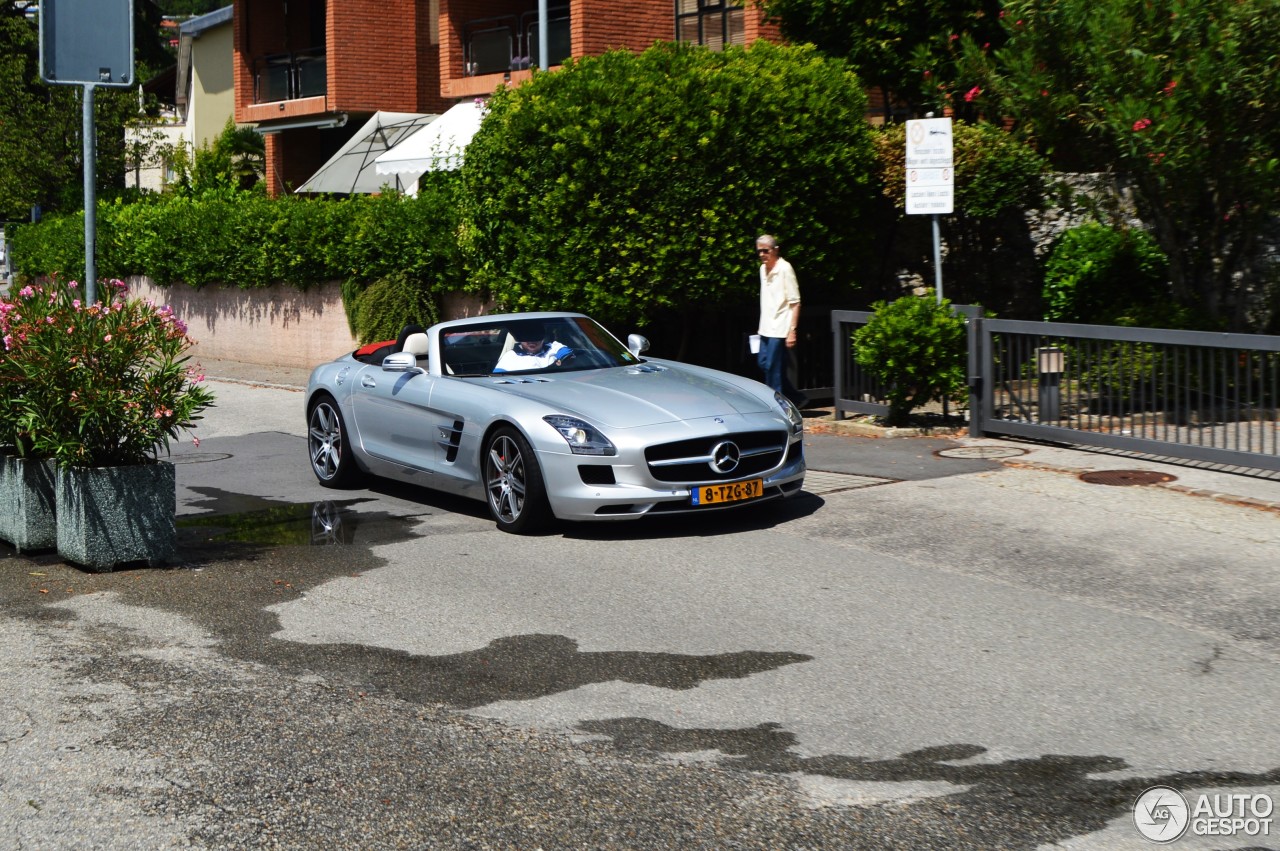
(290, 76)
(511, 42)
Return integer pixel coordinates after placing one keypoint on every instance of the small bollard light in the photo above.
(1051, 361)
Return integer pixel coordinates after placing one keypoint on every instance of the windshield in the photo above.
(531, 345)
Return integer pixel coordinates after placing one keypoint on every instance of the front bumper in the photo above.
(574, 499)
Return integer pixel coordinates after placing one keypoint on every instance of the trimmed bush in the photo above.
(915, 347)
(1109, 276)
(629, 184)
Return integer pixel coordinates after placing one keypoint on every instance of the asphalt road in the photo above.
(918, 652)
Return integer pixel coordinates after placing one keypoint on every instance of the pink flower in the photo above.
(106, 339)
(954, 37)
(1173, 84)
(75, 302)
(26, 292)
(195, 441)
(1141, 124)
(972, 93)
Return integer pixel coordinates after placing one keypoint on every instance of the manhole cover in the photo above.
(984, 452)
(197, 457)
(1126, 477)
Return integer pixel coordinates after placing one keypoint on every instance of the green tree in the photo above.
(905, 48)
(630, 184)
(236, 159)
(1179, 97)
(41, 125)
(38, 133)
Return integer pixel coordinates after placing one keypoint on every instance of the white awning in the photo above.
(350, 170)
(437, 147)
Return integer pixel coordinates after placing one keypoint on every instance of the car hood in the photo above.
(632, 397)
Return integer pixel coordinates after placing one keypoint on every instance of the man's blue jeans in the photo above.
(773, 359)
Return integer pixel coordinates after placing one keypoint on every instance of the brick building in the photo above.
(309, 72)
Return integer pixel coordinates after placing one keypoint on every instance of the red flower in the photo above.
(1173, 84)
(972, 93)
(1141, 124)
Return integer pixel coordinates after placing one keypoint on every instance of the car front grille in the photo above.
(692, 460)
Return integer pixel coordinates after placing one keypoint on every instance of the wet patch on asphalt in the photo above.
(1019, 803)
(527, 667)
(268, 523)
(234, 566)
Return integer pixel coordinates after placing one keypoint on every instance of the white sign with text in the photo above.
(930, 176)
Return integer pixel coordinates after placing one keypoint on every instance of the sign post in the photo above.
(931, 179)
(87, 43)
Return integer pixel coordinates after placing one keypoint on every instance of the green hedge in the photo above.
(246, 240)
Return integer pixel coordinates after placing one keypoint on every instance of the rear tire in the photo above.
(514, 489)
(327, 445)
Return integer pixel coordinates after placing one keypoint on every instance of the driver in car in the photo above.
(532, 351)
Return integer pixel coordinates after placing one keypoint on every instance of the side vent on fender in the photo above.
(449, 440)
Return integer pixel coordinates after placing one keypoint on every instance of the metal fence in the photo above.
(1201, 396)
(1188, 394)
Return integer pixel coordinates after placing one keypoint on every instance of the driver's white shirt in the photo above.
(517, 359)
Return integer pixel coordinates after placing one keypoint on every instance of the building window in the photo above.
(713, 23)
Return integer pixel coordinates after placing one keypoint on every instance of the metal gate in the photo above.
(1197, 395)
(1185, 394)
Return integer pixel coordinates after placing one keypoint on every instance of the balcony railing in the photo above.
(289, 76)
(510, 42)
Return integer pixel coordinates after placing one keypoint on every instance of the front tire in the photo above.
(327, 445)
(514, 489)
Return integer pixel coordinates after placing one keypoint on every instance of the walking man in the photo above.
(779, 317)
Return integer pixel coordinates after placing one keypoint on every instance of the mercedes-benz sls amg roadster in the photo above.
(547, 416)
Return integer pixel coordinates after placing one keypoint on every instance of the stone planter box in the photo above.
(27, 515)
(109, 516)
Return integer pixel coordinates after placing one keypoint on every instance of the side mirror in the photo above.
(401, 362)
(637, 344)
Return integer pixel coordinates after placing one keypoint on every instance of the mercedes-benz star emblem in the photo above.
(725, 457)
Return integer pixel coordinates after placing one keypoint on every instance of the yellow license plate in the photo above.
(714, 494)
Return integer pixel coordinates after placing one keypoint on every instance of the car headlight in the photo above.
(583, 438)
(792, 412)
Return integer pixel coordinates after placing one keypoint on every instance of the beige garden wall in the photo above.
(275, 325)
(279, 325)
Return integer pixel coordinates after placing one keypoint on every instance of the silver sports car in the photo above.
(548, 415)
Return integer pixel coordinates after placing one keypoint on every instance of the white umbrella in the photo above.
(351, 170)
(436, 147)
